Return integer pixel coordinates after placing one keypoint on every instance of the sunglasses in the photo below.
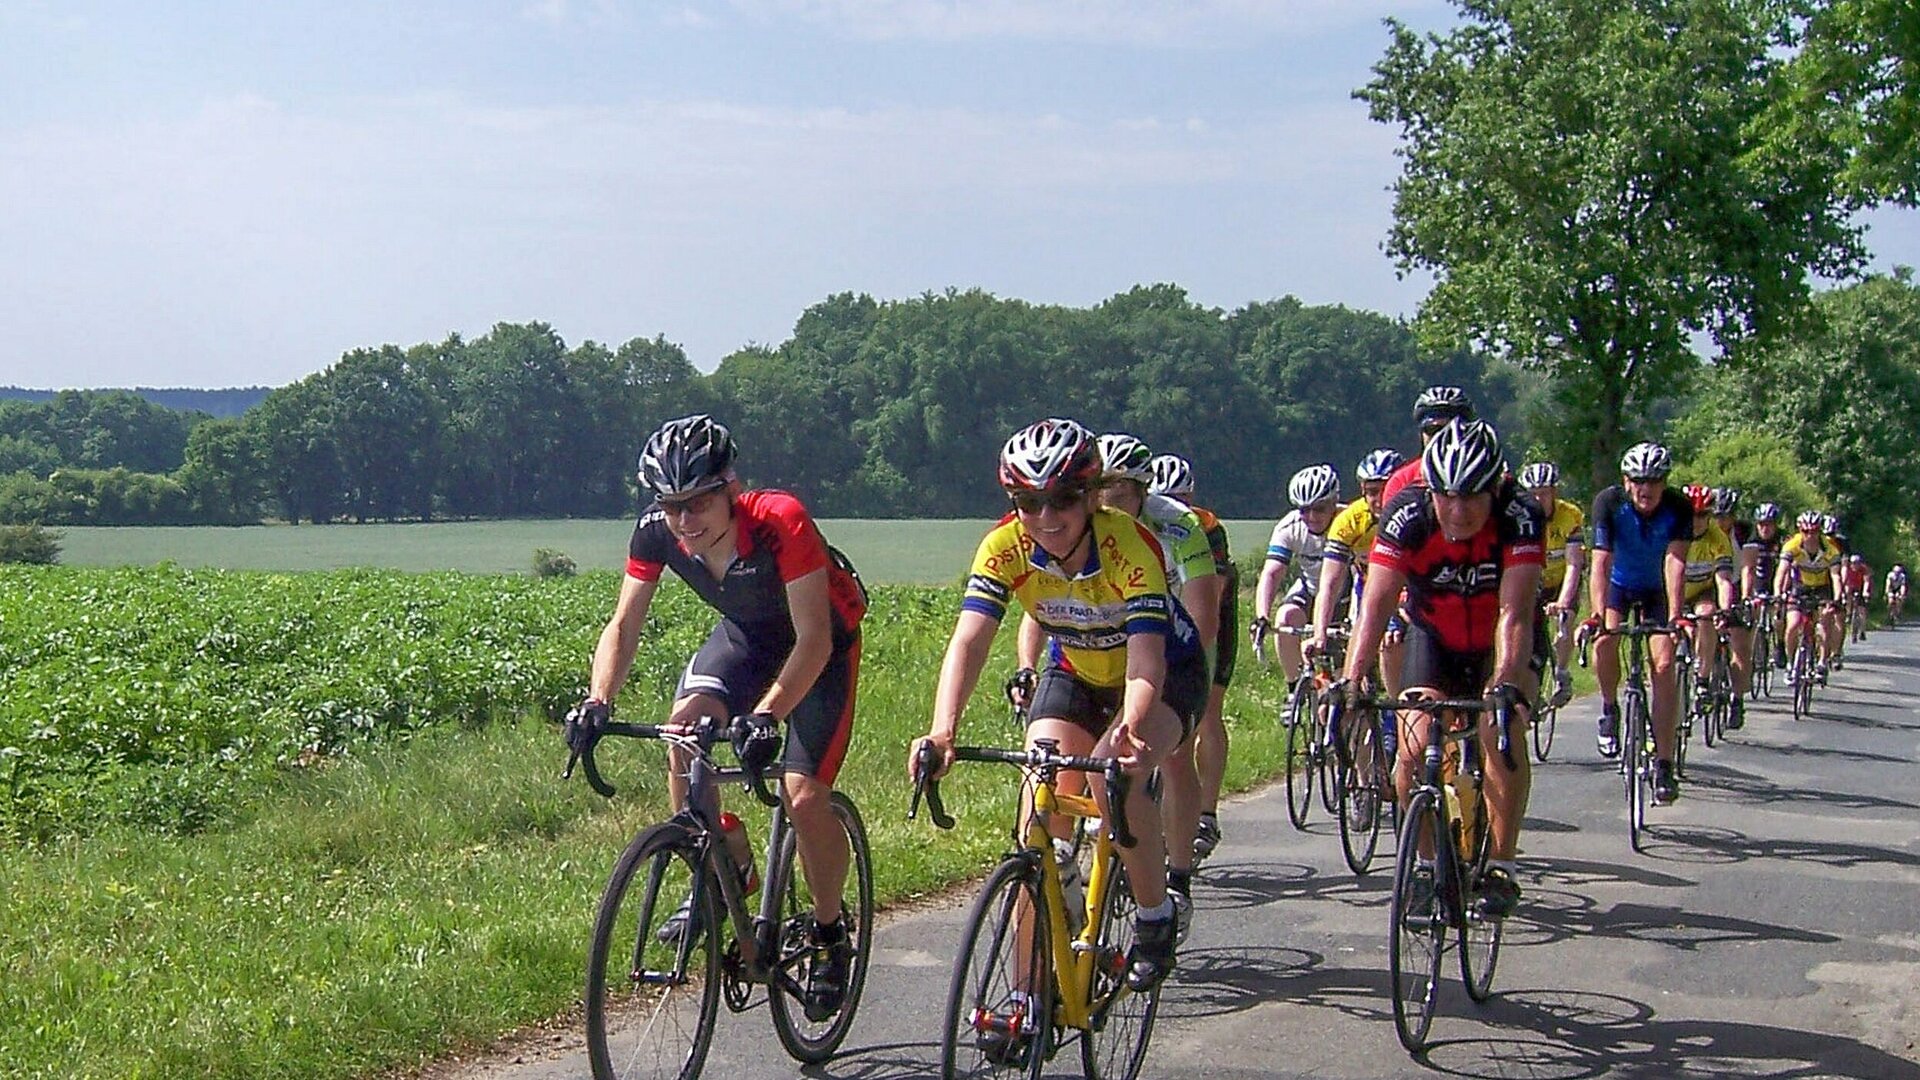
(1646, 479)
(694, 505)
(1032, 502)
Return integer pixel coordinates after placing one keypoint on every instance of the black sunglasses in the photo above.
(1032, 502)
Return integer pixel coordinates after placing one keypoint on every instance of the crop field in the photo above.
(279, 824)
(921, 552)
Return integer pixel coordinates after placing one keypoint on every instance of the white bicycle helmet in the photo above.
(1438, 404)
(1768, 511)
(1379, 464)
(1049, 454)
(688, 456)
(1540, 474)
(1313, 484)
(1124, 457)
(1172, 475)
(1462, 458)
(1646, 459)
(1724, 500)
(1810, 519)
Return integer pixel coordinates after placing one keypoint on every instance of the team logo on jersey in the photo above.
(1467, 580)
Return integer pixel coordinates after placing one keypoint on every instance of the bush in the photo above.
(550, 563)
(34, 544)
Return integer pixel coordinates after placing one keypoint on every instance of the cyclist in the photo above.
(1432, 410)
(1807, 561)
(1756, 579)
(1467, 547)
(1833, 615)
(1125, 473)
(1352, 532)
(1641, 531)
(787, 648)
(1709, 591)
(1173, 477)
(1896, 591)
(1856, 583)
(1746, 554)
(1566, 546)
(1299, 539)
(1125, 674)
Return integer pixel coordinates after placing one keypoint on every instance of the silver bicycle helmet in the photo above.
(1124, 457)
(1049, 454)
(1379, 464)
(687, 456)
(1172, 475)
(1313, 484)
(1646, 460)
(1462, 458)
(1540, 474)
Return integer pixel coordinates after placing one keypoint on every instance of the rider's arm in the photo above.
(1569, 597)
(1146, 672)
(1676, 577)
(1377, 603)
(966, 655)
(812, 615)
(1597, 580)
(1273, 575)
(1723, 582)
(1333, 582)
(613, 656)
(1513, 633)
(1030, 642)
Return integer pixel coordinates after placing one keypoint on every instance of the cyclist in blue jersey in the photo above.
(1641, 532)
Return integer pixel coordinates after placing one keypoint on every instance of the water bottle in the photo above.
(740, 850)
(1071, 887)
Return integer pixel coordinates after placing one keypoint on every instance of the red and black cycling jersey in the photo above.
(1453, 588)
(775, 542)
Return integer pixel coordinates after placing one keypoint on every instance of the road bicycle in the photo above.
(1801, 670)
(1447, 812)
(1037, 970)
(656, 974)
(1765, 644)
(1714, 708)
(1311, 756)
(1546, 715)
(1636, 715)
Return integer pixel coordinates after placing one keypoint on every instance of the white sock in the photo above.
(1159, 912)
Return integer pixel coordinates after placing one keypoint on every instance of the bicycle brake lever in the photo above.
(1118, 785)
(925, 784)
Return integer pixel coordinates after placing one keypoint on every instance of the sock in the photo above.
(829, 933)
(1161, 912)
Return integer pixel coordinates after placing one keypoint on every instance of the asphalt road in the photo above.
(1771, 929)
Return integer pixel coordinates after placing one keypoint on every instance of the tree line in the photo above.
(871, 409)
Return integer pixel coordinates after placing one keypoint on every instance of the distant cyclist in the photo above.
(1173, 477)
(1806, 576)
(1710, 587)
(1746, 560)
(1566, 548)
(1756, 578)
(1896, 591)
(1436, 407)
(1298, 542)
(786, 649)
(1125, 674)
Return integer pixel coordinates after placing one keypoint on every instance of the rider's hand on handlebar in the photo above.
(1258, 631)
(756, 741)
(1019, 688)
(943, 757)
(584, 725)
(1314, 646)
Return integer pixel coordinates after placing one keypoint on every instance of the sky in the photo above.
(234, 193)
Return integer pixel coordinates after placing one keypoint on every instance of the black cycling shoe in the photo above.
(829, 971)
(1417, 912)
(1608, 738)
(1737, 716)
(1666, 786)
(679, 923)
(1499, 893)
(1206, 838)
(1151, 957)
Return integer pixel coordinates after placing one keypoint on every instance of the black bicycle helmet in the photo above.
(687, 456)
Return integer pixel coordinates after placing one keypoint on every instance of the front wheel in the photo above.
(1116, 1045)
(1000, 1003)
(809, 1040)
(1544, 720)
(1300, 748)
(1418, 929)
(1479, 935)
(1359, 809)
(1639, 767)
(653, 995)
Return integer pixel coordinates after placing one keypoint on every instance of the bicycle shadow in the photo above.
(1567, 1035)
(1726, 846)
(1827, 752)
(1235, 886)
(1713, 781)
(1219, 981)
(1553, 915)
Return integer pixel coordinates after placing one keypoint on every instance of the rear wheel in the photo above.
(1299, 752)
(1639, 765)
(1417, 933)
(652, 995)
(1116, 1046)
(1000, 1003)
(808, 1040)
(1544, 719)
(1359, 810)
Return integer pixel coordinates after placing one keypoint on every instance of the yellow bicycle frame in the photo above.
(1073, 957)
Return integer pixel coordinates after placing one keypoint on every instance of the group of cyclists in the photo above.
(1459, 576)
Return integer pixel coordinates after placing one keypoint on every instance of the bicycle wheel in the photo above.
(1479, 936)
(1415, 938)
(1331, 772)
(1300, 750)
(1639, 772)
(1116, 1046)
(653, 1014)
(1686, 711)
(1544, 721)
(1802, 682)
(1000, 1003)
(1359, 810)
(809, 1040)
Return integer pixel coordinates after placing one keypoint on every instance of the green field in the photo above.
(918, 552)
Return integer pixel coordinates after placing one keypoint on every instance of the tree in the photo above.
(1586, 184)
(225, 475)
(1858, 68)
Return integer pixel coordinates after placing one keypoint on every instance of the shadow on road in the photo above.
(1715, 844)
(1717, 782)
(1571, 1034)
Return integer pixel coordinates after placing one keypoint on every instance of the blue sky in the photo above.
(216, 194)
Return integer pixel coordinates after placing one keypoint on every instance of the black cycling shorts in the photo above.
(730, 667)
(1652, 602)
(1060, 695)
(1455, 674)
(1226, 647)
(1808, 598)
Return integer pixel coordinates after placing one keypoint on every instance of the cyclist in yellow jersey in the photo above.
(1125, 673)
(1709, 588)
(1349, 540)
(1805, 577)
(1566, 566)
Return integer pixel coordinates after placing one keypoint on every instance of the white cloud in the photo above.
(1140, 22)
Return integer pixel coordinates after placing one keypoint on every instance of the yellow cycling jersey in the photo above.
(1121, 591)
(1709, 554)
(1351, 533)
(1566, 525)
(1810, 568)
